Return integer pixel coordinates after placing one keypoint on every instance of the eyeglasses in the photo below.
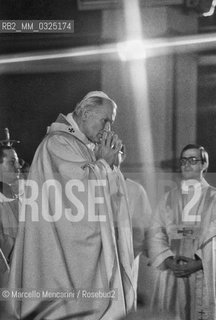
(190, 160)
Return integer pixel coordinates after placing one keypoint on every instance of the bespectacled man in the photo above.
(182, 242)
(193, 162)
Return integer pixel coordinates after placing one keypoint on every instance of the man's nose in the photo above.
(187, 164)
(18, 166)
(107, 126)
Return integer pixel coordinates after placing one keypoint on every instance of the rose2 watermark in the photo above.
(49, 200)
(77, 200)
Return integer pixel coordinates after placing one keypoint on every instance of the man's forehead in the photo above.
(109, 108)
(10, 153)
(191, 152)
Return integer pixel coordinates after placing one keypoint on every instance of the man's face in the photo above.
(192, 171)
(10, 167)
(95, 121)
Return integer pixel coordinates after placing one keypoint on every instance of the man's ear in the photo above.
(205, 166)
(85, 114)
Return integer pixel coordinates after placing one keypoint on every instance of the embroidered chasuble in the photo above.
(67, 240)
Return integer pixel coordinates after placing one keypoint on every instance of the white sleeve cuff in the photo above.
(163, 256)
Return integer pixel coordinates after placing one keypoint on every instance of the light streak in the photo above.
(147, 48)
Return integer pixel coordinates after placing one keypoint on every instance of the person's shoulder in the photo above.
(4, 199)
(135, 189)
(170, 196)
(212, 188)
(134, 184)
(212, 191)
(59, 137)
(168, 191)
(7, 206)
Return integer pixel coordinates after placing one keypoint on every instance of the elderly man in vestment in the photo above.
(74, 243)
(183, 243)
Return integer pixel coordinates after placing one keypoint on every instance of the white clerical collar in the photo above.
(71, 120)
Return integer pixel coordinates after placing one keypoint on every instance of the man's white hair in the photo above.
(91, 100)
(99, 94)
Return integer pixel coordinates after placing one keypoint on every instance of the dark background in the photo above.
(32, 96)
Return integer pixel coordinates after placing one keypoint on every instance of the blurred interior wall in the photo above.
(172, 86)
(172, 98)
